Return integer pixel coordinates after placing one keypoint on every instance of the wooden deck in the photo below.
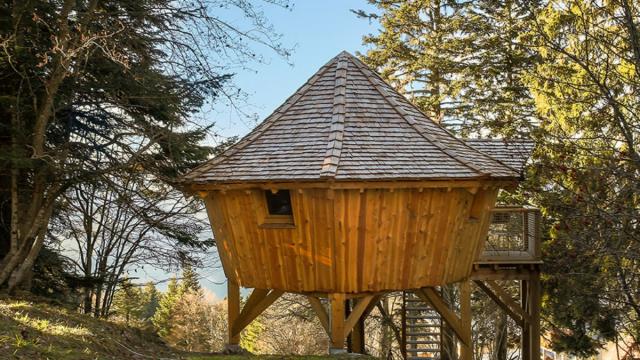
(512, 250)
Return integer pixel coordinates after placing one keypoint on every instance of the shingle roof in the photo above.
(345, 123)
(513, 153)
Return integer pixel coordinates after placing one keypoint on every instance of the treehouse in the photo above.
(347, 188)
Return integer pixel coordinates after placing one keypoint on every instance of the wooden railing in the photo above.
(514, 236)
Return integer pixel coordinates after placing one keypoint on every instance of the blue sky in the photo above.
(318, 30)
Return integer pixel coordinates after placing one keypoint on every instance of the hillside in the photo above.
(40, 330)
(34, 328)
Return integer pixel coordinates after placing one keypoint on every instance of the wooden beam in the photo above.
(356, 313)
(354, 185)
(321, 312)
(233, 310)
(337, 321)
(430, 296)
(505, 301)
(514, 315)
(250, 313)
(466, 350)
(256, 296)
(534, 312)
(358, 334)
(485, 273)
(525, 339)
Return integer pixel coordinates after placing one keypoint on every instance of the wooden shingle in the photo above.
(346, 124)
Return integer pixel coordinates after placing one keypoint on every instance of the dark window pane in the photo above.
(279, 203)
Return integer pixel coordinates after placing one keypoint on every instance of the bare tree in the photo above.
(121, 223)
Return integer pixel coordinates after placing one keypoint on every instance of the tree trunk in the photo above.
(500, 347)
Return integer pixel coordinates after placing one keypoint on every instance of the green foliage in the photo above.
(250, 335)
(150, 300)
(163, 315)
(461, 63)
(588, 163)
(128, 301)
(567, 73)
(190, 282)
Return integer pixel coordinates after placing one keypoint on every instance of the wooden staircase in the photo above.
(421, 326)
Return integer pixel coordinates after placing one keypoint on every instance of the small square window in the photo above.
(279, 203)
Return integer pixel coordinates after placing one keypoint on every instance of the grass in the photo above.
(39, 330)
(33, 328)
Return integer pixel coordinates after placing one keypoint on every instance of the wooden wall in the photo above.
(352, 240)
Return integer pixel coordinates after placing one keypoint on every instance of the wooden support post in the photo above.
(254, 308)
(466, 348)
(357, 336)
(337, 323)
(525, 339)
(534, 312)
(233, 311)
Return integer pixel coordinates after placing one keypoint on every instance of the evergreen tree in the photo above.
(93, 88)
(587, 176)
(164, 313)
(128, 301)
(190, 282)
(500, 103)
(150, 301)
(419, 51)
(461, 63)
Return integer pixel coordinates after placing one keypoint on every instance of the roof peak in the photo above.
(347, 123)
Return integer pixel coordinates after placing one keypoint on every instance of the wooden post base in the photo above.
(257, 302)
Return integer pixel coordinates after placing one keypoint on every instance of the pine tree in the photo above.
(500, 103)
(419, 50)
(461, 63)
(190, 282)
(164, 313)
(151, 301)
(128, 301)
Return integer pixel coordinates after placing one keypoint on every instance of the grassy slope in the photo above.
(40, 330)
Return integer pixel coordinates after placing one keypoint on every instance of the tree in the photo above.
(586, 90)
(101, 87)
(461, 63)
(122, 223)
(150, 301)
(128, 301)
(566, 73)
(419, 52)
(164, 313)
(190, 282)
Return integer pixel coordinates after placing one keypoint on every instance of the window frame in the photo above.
(277, 221)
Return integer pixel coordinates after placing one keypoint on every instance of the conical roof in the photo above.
(346, 124)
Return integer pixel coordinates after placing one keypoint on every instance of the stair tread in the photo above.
(423, 350)
(423, 334)
(423, 342)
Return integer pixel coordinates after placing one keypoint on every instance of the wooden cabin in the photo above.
(347, 188)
